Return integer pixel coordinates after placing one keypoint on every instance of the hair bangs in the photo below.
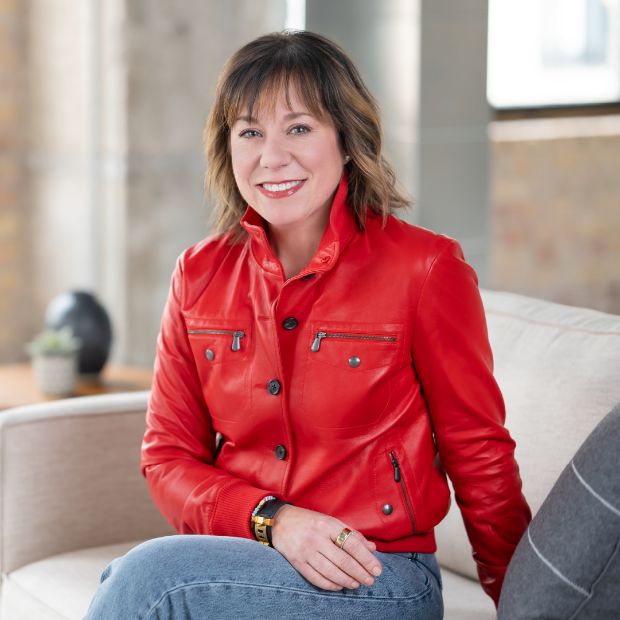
(258, 91)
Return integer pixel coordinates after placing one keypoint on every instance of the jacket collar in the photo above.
(337, 235)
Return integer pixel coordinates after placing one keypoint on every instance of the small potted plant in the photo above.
(54, 360)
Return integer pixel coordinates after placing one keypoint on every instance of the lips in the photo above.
(290, 188)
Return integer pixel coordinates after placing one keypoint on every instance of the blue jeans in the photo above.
(212, 577)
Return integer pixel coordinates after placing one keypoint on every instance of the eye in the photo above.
(249, 133)
(300, 129)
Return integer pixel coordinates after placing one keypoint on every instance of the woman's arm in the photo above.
(178, 451)
(453, 359)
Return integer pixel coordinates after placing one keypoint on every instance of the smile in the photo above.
(280, 190)
(280, 187)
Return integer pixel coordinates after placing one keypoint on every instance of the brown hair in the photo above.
(330, 86)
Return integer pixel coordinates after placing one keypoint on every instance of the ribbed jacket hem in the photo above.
(421, 543)
(233, 510)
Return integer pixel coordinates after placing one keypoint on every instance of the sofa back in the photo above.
(559, 370)
(70, 478)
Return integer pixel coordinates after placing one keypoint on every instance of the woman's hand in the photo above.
(307, 540)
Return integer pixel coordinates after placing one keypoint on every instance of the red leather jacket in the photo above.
(336, 389)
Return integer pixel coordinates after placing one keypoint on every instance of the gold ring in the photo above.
(342, 537)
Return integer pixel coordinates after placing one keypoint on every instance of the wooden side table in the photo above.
(17, 385)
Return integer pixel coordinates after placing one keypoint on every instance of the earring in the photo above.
(346, 158)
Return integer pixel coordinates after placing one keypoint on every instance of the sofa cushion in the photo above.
(59, 587)
(464, 599)
(568, 564)
(558, 370)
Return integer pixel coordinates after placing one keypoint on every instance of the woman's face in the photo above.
(287, 164)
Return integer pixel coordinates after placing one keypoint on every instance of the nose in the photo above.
(274, 153)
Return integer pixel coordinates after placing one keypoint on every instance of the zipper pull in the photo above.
(236, 345)
(317, 342)
(396, 467)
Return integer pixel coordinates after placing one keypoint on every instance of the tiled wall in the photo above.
(555, 210)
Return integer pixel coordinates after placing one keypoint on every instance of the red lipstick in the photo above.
(283, 194)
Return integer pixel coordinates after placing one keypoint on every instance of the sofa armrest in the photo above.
(70, 478)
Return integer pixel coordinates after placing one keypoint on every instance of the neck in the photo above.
(295, 247)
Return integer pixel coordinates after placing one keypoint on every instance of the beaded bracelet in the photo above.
(261, 504)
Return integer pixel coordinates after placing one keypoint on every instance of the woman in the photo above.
(339, 351)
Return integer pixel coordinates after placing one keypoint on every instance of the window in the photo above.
(553, 52)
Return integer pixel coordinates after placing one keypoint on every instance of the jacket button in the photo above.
(387, 509)
(273, 387)
(290, 323)
(209, 355)
(354, 361)
(281, 452)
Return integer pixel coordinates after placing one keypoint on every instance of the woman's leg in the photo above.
(210, 577)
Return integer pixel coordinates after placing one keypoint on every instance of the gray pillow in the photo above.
(567, 565)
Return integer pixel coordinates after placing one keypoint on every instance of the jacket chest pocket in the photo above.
(346, 383)
(222, 354)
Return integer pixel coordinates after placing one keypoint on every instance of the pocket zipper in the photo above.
(398, 478)
(236, 345)
(316, 345)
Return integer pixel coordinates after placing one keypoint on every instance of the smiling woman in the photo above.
(338, 351)
(294, 74)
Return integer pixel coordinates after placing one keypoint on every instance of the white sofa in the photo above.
(72, 497)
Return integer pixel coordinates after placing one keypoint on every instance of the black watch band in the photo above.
(268, 511)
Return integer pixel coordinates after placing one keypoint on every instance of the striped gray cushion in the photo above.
(567, 565)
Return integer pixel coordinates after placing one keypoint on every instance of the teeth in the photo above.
(280, 187)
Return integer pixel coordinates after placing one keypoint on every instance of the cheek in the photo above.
(326, 158)
(242, 164)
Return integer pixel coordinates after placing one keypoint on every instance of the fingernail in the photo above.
(369, 581)
(354, 585)
(376, 571)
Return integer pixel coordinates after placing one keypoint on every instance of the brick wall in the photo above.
(13, 304)
(555, 210)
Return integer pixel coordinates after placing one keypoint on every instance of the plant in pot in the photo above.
(54, 360)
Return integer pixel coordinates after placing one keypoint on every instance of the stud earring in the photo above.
(346, 158)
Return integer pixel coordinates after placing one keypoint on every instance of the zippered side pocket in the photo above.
(316, 345)
(236, 345)
(398, 478)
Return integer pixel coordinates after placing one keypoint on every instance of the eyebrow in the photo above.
(288, 117)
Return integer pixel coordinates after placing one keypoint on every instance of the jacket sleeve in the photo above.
(178, 450)
(454, 362)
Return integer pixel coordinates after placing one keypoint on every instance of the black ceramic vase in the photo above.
(89, 321)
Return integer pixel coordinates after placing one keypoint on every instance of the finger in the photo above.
(331, 572)
(315, 578)
(347, 564)
(371, 546)
(355, 547)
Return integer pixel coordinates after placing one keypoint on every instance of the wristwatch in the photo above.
(263, 521)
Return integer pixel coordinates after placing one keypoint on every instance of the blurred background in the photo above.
(502, 118)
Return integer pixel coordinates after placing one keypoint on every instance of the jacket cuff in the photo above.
(491, 578)
(233, 509)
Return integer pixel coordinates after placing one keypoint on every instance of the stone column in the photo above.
(175, 51)
(454, 115)
(425, 61)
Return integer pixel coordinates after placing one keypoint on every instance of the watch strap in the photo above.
(266, 514)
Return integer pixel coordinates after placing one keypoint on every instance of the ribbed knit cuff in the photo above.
(233, 510)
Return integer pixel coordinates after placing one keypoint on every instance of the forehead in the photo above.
(276, 97)
(277, 108)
